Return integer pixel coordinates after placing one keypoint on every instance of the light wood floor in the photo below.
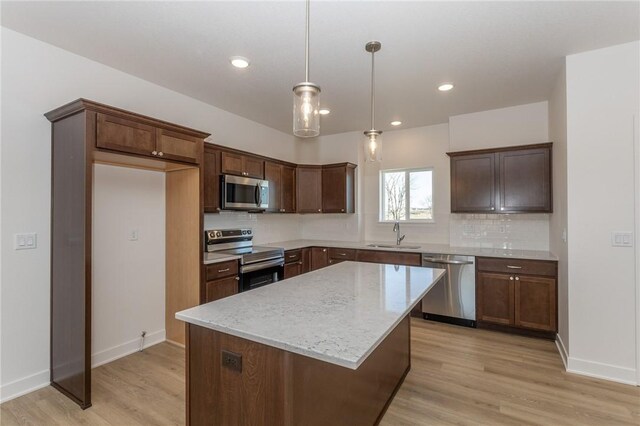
(458, 376)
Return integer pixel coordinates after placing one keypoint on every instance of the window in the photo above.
(406, 195)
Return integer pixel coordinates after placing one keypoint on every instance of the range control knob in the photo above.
(249, 232)
(244, 232)
(218, 234)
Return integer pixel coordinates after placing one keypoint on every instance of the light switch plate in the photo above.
(133, 235)
(26, 241)
(622, 239)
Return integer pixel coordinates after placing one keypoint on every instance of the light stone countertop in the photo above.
(218, 257)
(424, 248)
(338, 314)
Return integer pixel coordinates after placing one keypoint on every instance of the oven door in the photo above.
(242, 193)
(260, 274)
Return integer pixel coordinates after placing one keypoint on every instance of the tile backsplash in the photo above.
(504, 231)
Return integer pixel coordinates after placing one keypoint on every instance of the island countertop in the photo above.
(338, 314)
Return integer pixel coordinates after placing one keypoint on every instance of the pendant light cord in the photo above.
(373, 91)
(306, 46)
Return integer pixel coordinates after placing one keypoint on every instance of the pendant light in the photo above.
(373, 137)
(306, 99)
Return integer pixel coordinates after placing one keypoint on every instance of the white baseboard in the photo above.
(24, 386)
(602, 371)
(127, 348)
(562, 349)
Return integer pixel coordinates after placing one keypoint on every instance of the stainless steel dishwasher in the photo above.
(453, 298)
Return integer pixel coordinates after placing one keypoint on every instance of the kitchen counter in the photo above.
(338, 314)
(424, 248)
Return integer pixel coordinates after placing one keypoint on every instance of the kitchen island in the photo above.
(329, 347)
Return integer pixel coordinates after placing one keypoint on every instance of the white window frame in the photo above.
(407, 171)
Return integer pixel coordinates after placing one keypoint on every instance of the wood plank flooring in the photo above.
(458, 376)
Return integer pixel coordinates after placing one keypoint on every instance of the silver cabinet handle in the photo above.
(514, 267)
(291, 256)
(493, 208)
(154, 152)
(224, 270)
(511, 278)
(299, 263)
(342, 210)
(324, 250)
(341, 254)
(517, 278)
(160, 154)
(319, 210)
(237, 278)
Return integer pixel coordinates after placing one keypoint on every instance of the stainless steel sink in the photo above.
(393, 246)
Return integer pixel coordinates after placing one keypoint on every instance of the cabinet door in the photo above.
(309, 189)
(211, 170)
(288, 193)
(231, 164)
(179, 147)
(319, 258)
(253, 167)
(305, 257)
(473, 183)
(535, 302)
(273, 173)
(495, 298)
(219, 289)
(334, 190)
(123, 135)
(292, 269)
(525, 180)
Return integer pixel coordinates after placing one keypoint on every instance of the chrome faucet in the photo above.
(396, 229)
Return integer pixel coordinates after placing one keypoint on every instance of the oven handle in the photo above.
(261, 265)
(258, 195)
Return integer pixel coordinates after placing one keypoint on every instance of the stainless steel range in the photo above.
(259, 266)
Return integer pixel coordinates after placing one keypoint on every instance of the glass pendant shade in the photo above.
(372, 145)
(306, 110)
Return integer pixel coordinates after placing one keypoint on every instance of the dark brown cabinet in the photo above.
(292, 269)
(242, 165)
(504, 180)
(391, 258)
(338, 188)
(281, 187)
(309, 189)
(518, 294)
(211, 171)
(137, 137)
(221, 280)
(319, 257)
(337, 255)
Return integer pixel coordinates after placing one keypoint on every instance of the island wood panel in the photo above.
(276, 387)
(183, 248)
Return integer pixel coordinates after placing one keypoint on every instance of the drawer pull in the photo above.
(342, 254)
(517, 278)
(237, 278)
(511, 278)
(291, 256)
(224, 270)
(514, 267)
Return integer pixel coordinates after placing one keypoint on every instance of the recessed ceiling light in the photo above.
(396, 123)
(239, 61)
(445, 87)
(324, 111)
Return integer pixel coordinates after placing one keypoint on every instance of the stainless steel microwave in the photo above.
(243, 193)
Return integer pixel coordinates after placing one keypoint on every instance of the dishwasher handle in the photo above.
(447, 262)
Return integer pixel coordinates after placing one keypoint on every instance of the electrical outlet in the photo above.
(133, 235)
(622, 239)
(232, 360)
(25, 241)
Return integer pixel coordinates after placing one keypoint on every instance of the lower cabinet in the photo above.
(337, 255)
(517, 294)
(293, 263)
(221, 280)
(319, 257)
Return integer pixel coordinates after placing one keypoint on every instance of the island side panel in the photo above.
(279, 387)
(219, 395)
(327, 394)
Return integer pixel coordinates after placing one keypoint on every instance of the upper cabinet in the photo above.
(503, 180)
(309, 189)
(138, 137)
(242, 165)
(338, 188)
(211, 171)
(281, 187)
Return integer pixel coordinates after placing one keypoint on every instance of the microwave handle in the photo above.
(258, 195)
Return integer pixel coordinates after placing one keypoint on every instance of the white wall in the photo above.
(37, 77)
(128, 277)
(558, 222)
(517, 125)
(602, 99)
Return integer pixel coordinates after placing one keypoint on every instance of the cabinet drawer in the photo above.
(291, 256)
(517, 266)
(342, 254)
(222, 269)
(373, 256)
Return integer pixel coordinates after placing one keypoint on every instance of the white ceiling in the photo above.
(497, 54)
